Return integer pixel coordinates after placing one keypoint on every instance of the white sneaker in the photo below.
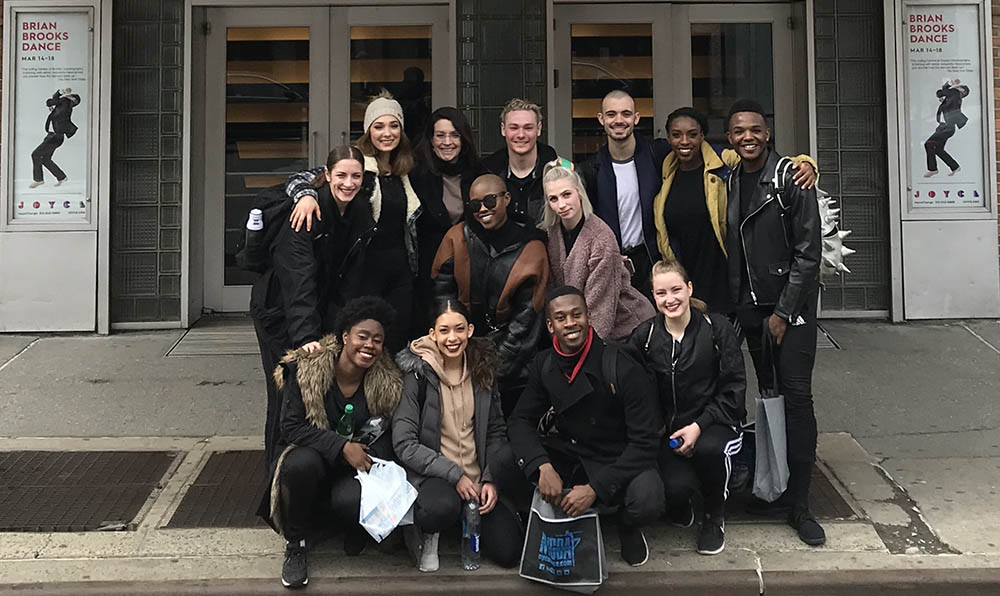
(36, 183)
(59, 182)
(429, 561)
(955, 171)
(931, 173)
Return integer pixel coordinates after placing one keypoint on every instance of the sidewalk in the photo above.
(909, 428)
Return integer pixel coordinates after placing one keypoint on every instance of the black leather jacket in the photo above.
(704, 381)
(781, 239)
(503, 289)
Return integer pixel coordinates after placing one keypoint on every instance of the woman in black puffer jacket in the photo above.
(701, 383)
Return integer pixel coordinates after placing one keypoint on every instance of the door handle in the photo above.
(314, 150)
(343, 137)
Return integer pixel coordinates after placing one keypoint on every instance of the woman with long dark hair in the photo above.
(314, 273)
(446, 164)
(392, 255)
(449, 433)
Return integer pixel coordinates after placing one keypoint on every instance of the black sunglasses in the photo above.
(489, 201)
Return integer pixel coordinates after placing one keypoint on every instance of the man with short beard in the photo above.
(622, 180)
(607, 444)
(498, 268)
(774, 244)
(520, 163)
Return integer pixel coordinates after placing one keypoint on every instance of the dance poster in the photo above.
(52, 128)
(945, 111)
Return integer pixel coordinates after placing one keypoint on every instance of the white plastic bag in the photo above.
(386, 498)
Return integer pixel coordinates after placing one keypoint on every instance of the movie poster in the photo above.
(52, 128)
(943, 64)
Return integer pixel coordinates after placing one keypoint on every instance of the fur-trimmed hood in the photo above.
(316, 373)
(482, 360)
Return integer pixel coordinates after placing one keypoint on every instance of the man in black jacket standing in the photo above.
(608, 434)
(521, 161)
(622, 180)
(774, 244)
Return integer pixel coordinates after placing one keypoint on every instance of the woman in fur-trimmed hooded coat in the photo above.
(313, 464)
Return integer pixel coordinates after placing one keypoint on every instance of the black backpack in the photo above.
(253, 252)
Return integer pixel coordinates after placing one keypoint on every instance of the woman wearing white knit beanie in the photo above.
(391, 259)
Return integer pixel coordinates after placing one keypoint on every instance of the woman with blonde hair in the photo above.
(392, 252)
(696, 361)
(583, 253)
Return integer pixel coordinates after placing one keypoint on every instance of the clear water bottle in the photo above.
(470, 535)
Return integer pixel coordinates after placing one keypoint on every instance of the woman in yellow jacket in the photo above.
(690, 209)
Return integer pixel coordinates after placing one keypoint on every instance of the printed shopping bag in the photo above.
(562, 551)
(386, 498)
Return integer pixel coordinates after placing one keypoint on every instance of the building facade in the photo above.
(192, 106)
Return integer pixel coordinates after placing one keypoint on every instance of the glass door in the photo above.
(729, 52)
(267, 117)
(284, 85)
(600, 48)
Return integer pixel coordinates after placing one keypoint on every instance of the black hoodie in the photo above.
(526, 197)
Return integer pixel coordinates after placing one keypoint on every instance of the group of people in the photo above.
(576, 326)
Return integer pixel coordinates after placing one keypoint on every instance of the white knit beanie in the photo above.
(382, 106)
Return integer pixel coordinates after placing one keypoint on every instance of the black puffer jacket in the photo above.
(704, 381)
(314, 272)
(781, 238)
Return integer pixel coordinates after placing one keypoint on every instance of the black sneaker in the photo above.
(808, 528)
(712, 536)
(782, 507)
(355, 541)
(682, 516)
(635, 551)
(295, 570)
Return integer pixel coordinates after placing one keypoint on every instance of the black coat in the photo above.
(615, 435)
(315, 272)
(433, 223)
(60, 117)
(598, 175)
(525, 205)
(705, 382)
(781, 238)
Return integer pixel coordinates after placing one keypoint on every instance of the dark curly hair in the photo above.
(363, 309)
(745, 105)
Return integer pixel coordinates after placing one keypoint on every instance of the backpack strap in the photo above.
(778, 181)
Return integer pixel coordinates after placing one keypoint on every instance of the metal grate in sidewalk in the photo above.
(218, 335)
(825, 502)
(225, 494)
(77, 491)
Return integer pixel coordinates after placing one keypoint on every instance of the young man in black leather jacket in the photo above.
(774, 246)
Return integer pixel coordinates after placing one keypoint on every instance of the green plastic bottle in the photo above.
(345, 427)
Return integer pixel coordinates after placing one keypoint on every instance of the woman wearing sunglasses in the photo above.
(583, 253)
(446, 164)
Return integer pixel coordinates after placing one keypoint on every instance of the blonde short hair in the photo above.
(554, 170)
(516, 105)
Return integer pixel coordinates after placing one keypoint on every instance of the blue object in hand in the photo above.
(676, 442)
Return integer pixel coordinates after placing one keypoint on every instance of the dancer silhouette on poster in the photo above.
(58, 127)
(949, 118)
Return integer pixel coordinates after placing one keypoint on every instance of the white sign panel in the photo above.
(52, 135)
(945, 106)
